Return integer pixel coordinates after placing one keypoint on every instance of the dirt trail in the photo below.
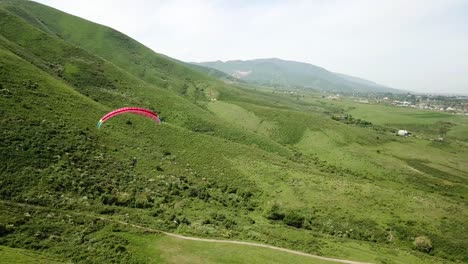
(414, 169)
(265, 246)
(209, 240)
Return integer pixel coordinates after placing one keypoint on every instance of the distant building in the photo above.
(450, 109)
(403, 133)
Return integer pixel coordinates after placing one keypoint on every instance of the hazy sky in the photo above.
(419, 45)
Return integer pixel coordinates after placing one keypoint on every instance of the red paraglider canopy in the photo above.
(135, 110)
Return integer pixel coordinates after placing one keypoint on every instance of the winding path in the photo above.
(266, 246)
(209, 240)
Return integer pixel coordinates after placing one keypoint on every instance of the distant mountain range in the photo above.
(277, 72)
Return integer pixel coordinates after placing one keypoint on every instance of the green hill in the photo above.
(229, 161)
(276, 72)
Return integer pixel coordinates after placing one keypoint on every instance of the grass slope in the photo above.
(13, 255)
(253, 165)
(164, 249)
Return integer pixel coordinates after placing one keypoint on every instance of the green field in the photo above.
(255, 165)
(427, 123)
(239, 116)
(13, 255)
(164, 249)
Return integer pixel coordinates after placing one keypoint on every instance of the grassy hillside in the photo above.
(283, 73)
(234, 162)
(163, 249)
(13, 255)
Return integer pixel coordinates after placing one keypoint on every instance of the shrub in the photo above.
(4, 230)
(229, 223)
(108, 211)
(274, 212)
(423, 243)
(193, 192)
(294, 219)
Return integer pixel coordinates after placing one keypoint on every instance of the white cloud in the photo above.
(417, 45)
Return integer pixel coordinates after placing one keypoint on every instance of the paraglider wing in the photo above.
(135, 110)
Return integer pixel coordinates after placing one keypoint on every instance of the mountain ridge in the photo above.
(286, 73)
